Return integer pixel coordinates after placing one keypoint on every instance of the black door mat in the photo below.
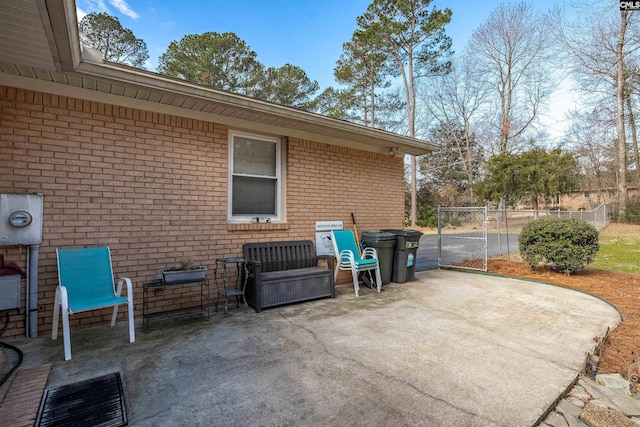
(94, 402)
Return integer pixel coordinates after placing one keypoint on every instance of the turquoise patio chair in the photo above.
(85, 282)
(349, 258)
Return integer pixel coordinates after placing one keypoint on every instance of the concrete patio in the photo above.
(452, 348)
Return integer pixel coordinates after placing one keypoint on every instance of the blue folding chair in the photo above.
(85, 282)
(349, 258)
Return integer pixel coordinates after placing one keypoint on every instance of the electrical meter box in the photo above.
(10, 292)
(20, 219)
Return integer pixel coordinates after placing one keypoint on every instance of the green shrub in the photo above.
(633, 210)
(567, 244)
(427, 217)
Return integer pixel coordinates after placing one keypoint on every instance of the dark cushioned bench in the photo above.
(286, 272)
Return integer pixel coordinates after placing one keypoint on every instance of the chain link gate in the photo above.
(462, 237)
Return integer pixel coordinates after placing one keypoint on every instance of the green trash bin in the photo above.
(384, 243)
(405, 254)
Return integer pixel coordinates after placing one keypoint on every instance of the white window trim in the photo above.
(242, 219)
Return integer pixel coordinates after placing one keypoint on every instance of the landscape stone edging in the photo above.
(589, 403)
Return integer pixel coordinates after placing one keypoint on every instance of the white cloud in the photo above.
(124, 8)
(87, 6)
(80, 14)
(170, 24)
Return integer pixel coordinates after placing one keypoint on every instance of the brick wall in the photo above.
(153, 187)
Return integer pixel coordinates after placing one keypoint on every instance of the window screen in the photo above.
(255, 180)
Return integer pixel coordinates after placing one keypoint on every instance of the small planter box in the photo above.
(171, 277)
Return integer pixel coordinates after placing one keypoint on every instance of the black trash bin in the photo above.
(384, 243)
(406, 252)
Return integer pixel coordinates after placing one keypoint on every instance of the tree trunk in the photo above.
(634, 134)
(469, 160)
(622, 140)
(372, 95)
(414, 192)
(411, 112)
(365, 107)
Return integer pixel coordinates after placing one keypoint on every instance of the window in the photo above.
(255, 182)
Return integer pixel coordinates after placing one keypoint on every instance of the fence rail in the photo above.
(517, 218)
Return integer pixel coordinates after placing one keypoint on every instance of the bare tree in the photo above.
(513, 52)
(603, 42)
(622, 136)
(447, 171)
(456, 102)
(633, 130)
(590, 137)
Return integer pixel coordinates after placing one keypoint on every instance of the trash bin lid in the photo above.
(406, 232)
(374, 236)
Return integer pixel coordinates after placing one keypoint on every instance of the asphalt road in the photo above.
(427, 256)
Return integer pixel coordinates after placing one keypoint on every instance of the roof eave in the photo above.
(129, 75)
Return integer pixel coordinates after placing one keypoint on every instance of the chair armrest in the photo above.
(329, 259)
(126, 280)
(255, 272)
(345, 253)
(369, 253)
(346, 259)
(64, 297)
(254, 267)
(255, 280)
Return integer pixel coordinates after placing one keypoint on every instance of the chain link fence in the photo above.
(503, 219)
(462, 237)
(505, 224)
(467, 236)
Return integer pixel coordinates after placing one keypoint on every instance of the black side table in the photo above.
(160, 284)
(230, 285)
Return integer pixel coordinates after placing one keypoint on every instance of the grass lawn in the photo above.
(619, 248)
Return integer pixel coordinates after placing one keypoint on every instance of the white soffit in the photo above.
(23, 38)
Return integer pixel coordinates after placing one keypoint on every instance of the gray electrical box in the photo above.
(20, 219)
(9, 292)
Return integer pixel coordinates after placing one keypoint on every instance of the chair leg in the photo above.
(132, 333)
(127, 281)
(115, 314)
(356, 286)
(66, 335)
(61, 303)
(56, 315)
(378, 278)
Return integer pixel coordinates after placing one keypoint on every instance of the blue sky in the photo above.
(305, 33)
